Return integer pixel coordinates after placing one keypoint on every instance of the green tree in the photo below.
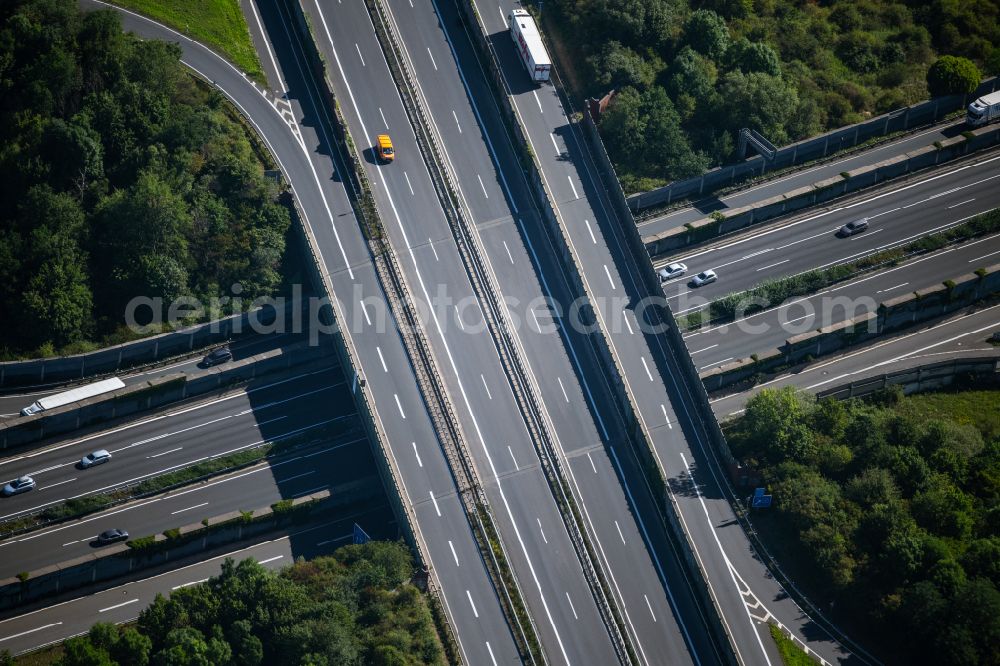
(758, 101)
(775, 421)
(132, 648)
(748, 56)
(951, 75)
(80, 651)
(617, 66)
(706, 32)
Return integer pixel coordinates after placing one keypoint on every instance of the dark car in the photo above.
(111, 536)
(220, 355)
(854, 227)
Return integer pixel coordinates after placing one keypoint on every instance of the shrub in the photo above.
(23, 576)
(246, 516)
(952, 75)
(282, 506)
(172, 533)
(141, 543)
(717, 216)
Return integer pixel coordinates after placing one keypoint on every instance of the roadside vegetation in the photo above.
(886, 514)
(791, 654)
(219, 24)
(123, 176)
(354, 607)
(690, 74)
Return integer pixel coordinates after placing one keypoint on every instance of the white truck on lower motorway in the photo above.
(528, 43)
(73, 395)
(984, 110)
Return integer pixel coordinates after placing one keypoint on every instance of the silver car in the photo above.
(672, 271)
(703, 278)
(21, 484)
(98, 457)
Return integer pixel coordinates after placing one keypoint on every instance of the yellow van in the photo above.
(384, 148)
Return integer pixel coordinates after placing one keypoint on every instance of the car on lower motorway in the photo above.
(703, 278)
(98, 457)
(853, 227)
(21, 484)
(672, 271)
(217, 356)
(111, 536)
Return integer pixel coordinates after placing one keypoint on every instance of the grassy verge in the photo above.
(980, 409)
(772, 292)
(217, 23)
(791, 654)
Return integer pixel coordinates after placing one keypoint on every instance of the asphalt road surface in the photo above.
(59, 621)
(801, 178)
(323, 467)
(897, 215)
(964, 335)
(303, 407)
(716, 345)
(13, 400)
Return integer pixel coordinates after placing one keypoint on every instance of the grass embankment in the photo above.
(216, 23)
(791, 654)
(772, 292)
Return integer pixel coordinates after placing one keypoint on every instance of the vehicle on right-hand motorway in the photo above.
(703, 278)
(853, 227)
(98, 457)
(217, 356)
(672, 271)
(111, 536)
(21, 484)
(528, 42)
(984, 110)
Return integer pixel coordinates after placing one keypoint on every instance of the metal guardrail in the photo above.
(524, 388)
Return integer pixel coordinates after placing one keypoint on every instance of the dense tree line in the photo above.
(122, 176)
(691, 73)
(892, 507)
(354, 607)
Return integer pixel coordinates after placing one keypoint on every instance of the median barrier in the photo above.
(810, 150)
(891, 316)
(822, 191)
(194, 540)
(153, 393)
(148, 350)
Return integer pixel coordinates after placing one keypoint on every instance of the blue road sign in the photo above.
(757, 492)
(761, 501)
(360, 536)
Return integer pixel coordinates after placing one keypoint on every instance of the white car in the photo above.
(98, 457)
(703, 278)
(672, 271)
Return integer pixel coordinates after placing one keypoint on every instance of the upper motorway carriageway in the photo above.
(799, 178)
(664, 624)
(896, 215)
(531, 526)
(290, 120)
(742, 587)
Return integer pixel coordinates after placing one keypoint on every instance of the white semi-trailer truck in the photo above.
(73, 395)
(529, 44)
(984, 110)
